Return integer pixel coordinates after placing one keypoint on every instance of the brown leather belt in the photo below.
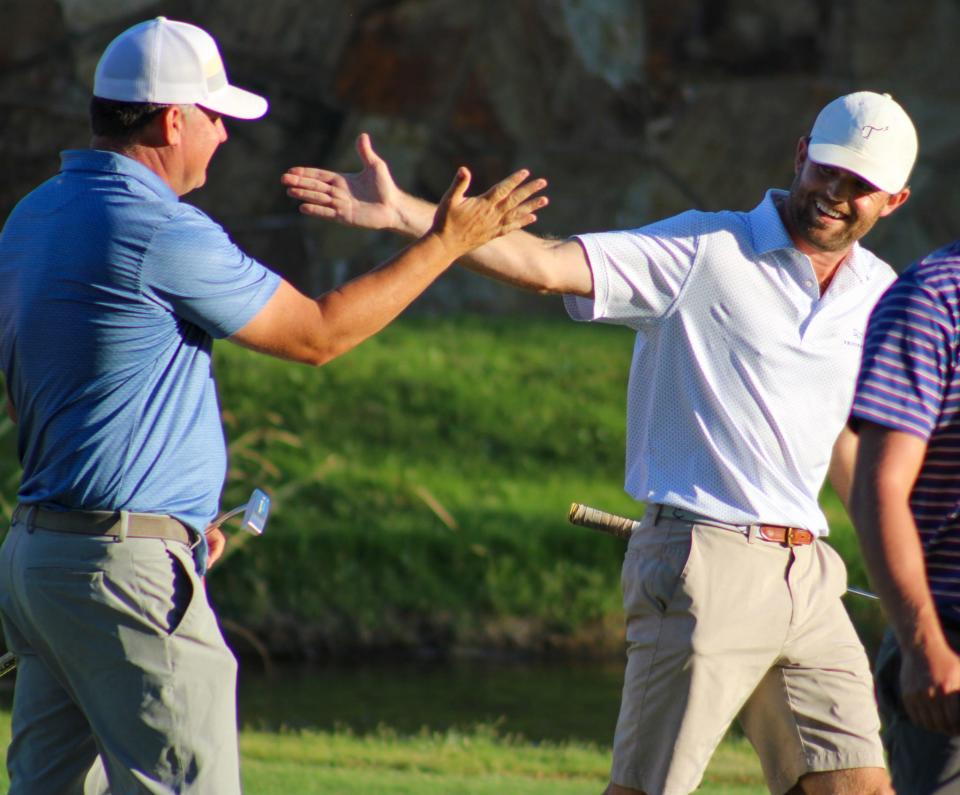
(106, 523)
(776, 533)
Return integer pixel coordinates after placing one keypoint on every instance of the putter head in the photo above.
(255, 515)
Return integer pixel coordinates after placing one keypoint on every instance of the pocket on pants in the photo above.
(165, 590)
(653, 568)
(835, 569)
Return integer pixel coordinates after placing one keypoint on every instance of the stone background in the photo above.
(634, 110)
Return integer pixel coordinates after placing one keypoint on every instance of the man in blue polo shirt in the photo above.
(906, 507)
(749, 328)
(111, 292)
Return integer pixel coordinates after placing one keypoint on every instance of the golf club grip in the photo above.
(7, 663)
(585, 516)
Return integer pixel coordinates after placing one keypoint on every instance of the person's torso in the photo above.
(929, 297)
(115, 395)
(739, 389)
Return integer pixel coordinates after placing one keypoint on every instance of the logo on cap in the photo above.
(869, 135)
(868, 129)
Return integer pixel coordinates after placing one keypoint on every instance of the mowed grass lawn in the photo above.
(420, 491)
(475, 763)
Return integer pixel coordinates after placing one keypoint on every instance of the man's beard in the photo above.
(807, 223)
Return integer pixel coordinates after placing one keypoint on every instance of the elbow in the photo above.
(317, 353)
(317, 357)
(550, 283)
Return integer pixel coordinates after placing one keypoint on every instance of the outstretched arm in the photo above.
(371, 199)
(887, 467)
(314, 331)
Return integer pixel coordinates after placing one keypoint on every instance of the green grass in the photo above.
(421, 485)
(476, 762)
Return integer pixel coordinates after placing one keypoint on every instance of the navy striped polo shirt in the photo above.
(910, 381)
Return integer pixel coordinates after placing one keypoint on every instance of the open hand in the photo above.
(367, 198)
(463, 223)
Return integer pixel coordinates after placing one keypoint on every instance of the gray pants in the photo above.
(921, 762)
(124, 682)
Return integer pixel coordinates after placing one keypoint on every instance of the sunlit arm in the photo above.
(370, 199)
(314, 331)
(520, 258)
(317, 330)
(888, 464)
(842, 461)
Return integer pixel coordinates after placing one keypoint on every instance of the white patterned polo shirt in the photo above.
(743, 374)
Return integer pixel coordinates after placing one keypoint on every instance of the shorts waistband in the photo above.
(115, 524)
(775, 533)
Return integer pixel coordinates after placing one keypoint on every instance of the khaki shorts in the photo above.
(720, 624)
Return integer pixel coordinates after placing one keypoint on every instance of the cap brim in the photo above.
(854, 162)
(236, 102)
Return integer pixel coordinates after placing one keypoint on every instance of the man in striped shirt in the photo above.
(906, 507)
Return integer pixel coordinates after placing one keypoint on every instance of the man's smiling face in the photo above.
(830, 208)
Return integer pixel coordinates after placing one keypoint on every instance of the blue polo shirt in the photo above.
(111, 292)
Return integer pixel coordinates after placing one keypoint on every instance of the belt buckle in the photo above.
(795, 536)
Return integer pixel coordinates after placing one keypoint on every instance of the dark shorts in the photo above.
(921, 762)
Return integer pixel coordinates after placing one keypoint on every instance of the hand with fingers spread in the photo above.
(930, 688)
(367, 198)
(463, 223)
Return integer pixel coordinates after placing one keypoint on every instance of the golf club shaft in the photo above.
(225, 516)
(622, 527)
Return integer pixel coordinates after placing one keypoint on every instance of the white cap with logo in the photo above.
(868, 134)
(171, 63)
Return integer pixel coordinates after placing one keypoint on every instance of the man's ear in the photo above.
(894, 201)
(800, 156)
(171, 124)
(164, 129)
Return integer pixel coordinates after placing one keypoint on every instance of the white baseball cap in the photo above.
(868, 134)
(171, 63)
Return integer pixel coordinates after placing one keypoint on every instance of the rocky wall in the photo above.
(634, 110)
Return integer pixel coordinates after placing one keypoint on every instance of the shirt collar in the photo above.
(769, 234)
(114, 163)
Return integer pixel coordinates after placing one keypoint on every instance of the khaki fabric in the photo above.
(719, 622)
(123, 675)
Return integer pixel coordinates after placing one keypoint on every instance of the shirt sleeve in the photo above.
(194, 270)
(638, 274)
(906, 360)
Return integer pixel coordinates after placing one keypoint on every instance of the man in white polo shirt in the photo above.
(749, 332)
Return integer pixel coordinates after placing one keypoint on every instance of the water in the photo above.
(552, 702)
(540, 701)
